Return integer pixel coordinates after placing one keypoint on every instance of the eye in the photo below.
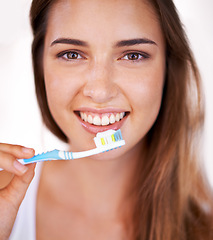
(135, 56)
(69, 55)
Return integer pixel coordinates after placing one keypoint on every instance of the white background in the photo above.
(20, 121)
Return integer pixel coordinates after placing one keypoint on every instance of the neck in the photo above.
(95, 187)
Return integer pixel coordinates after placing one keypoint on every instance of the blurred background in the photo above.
(20, 121)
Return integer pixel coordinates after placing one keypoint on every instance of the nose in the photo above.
(100, 85)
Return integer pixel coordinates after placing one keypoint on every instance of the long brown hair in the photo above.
(174, 199)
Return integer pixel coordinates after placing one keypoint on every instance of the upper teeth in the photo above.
(103, 119)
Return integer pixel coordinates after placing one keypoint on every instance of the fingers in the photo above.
(5, 179)
(15, 185)
(16, 190)
(9, 163)
(17, 150)
(8, 158)
(10, 200)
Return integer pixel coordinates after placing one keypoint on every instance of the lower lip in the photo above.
(95, 129)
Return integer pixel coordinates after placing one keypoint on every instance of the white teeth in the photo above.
(96, 121)
(89, 119)
(104, 120)
(112, 119)
(117, 117)
(122, 115)
(85, 117)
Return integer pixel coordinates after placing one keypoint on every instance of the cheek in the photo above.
(145, 95)
(147, 105)
(61, 87)
(150, 94)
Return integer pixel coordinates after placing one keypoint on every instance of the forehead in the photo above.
(105, 18)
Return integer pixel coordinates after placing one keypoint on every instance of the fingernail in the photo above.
(27, 150)
(18, 166)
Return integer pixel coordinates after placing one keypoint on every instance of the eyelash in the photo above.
(64, 55)
(139, 56)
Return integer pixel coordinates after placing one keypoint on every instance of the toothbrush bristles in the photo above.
(109, 137)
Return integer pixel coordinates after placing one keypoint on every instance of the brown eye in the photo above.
(133, 56)
(71, 55)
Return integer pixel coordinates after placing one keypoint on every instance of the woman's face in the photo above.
(104, 66)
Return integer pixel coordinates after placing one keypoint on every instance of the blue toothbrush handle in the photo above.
(52, 155)
(48, 156)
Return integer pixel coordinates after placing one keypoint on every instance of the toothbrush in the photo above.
(104, 141)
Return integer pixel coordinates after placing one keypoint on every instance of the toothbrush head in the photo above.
(109, 140)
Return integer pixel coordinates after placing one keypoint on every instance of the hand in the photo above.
(14, 181)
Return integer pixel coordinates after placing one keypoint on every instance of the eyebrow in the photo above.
(136, 41)
(69, 41)
(123, 43)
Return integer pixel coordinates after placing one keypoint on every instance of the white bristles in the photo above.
(107, 136)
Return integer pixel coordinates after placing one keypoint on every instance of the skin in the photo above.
(93, 194)
(100, 79)
(14, 183)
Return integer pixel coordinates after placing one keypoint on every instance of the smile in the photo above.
(104, 119)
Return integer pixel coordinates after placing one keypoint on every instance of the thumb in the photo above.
(11, 198)
(17, 188)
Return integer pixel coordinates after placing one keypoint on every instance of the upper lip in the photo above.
(101, 110)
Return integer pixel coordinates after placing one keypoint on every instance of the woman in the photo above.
(94, 61)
